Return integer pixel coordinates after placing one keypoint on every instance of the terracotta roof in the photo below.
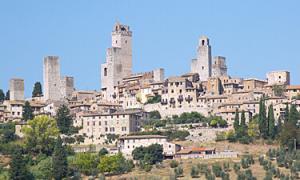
(292, 87)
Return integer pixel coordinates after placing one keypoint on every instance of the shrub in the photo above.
(178, 171)
(226, 166)
(194, 172)
(203, 168)
(217, 170)
(173, 164)
(236, 167)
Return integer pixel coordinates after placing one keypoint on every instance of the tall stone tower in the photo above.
(219, 67)
(203, 64)
(118, 60)
(16, 89)
(52, 78)
(67, 87)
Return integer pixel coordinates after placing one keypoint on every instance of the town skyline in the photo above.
(89, 51)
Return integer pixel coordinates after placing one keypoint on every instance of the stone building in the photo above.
(203, 63)
(127, 144)
(219, 67)
(56, 87)
(118, 63)
(16, 89)
(96, 125)
(67, 87)
(278, 78)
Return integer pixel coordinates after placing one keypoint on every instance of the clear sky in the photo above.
(256, 36)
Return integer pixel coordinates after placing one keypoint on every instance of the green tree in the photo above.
(293, 114)
(286, 113)
(37, 90)
(40, 134)
(262, 119)
(64, 119)
(150, 155)
(115, 164)
(236, 123)
(2, 95)
(59, 159)
(243, 125)
(27, 112)
(7, 96)
(253, 129)
(86, 163)
(18, 169)
(43, 170)
(7, 132)
(271, 122)
(103, 152)
(154, 115)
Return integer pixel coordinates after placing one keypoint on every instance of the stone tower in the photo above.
(203, 65)
(52, 78)
(67, 87)
(16, 89)
(219, 67)
(118, 60)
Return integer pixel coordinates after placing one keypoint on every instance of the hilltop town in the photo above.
(196, 115)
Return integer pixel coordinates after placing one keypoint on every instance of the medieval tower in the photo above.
(16, 89)
(55, 86)
(118, 60)
(51, 78)
(203, 64)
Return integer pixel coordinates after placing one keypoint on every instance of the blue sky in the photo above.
(255, 36)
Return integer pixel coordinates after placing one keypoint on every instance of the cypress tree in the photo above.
(27, 112)
(279, 126)
(243, 127)
(2, 95)
(286, 113)
(64, 119)
(18, 169)
(262, 118)
(59, 159)
(37, 90)
(7, 96)
(293, 115)
(271, 122)
(236, 123)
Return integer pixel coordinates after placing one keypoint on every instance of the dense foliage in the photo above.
(37, 90)
(148, 155)
(153, 100)
(40, 134)
(27, 112)
(64, 120)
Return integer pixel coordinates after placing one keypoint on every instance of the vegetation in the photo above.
(18, 168)
(2, 95)
(115, 164)
(27, 112)
(59, 159)
(148, 155)
(40, 134)
(37, 90)
(7, 95)
(178, 172)
(153, 100)
(86, 163)
(64, 120)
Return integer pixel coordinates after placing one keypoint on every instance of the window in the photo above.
(105, 71)
(203, 42)
(99, 123)
(202, 67)
(105, 122)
